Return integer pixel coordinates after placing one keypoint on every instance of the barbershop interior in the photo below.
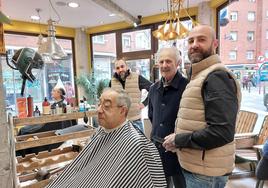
(58, 59)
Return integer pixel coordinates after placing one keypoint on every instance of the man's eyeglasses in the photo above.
(106, 105)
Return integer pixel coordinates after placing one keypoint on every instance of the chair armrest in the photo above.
(242, 135)
(245, 140)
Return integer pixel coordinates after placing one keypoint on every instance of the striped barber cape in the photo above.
(122, 158)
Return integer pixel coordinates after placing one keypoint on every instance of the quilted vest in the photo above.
(191, 117)
(132, 89)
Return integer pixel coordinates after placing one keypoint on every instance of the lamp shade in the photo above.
(50, 47)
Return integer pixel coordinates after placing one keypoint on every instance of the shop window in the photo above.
(99, 39)
(140, 66)
(141, 40)
(251, 16)
(232, 55)
(46, 79)
(103, 56)
(126, 41)
(250, 35)
(233, 16)
(250, 55)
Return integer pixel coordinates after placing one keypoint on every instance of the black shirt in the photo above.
(221, 107)
(142, 82)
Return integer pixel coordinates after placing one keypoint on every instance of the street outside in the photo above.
(253, 101)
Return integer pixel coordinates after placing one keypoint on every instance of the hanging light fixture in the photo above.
(50, 49)
(176, 30)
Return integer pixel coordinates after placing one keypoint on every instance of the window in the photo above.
(143, 41)
(99, 39)
(232, 55)
(103, 56)
(251, 16)
(250, 35)
(126, 41)
(233, 16)
(233, 35)
(250, 55)
(54, 72)
(140, 40)
(266, 53)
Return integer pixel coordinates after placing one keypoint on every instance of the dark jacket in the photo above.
(163, 108)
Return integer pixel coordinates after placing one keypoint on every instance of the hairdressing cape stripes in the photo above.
(122, 158)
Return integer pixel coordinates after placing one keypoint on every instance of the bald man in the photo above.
(205, 125)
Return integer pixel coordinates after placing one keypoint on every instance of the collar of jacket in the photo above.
(174, 83)
(205, 63)
(119, 78)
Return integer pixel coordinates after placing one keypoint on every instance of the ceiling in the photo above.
(88, 14)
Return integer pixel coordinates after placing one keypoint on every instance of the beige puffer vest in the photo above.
(191, 117)
(132, 88)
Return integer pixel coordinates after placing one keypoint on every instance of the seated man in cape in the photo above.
(119, 155)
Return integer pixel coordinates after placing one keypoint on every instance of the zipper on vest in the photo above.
(203, 155)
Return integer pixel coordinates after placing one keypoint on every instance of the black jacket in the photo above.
(163, 108)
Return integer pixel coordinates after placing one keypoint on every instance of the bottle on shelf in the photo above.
(59, 109)
(30, 106)
(82, 106)
(36, 112)
(69, 108)
(46, 106)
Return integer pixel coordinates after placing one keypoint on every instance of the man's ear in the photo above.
(215, 44)
(124, 110)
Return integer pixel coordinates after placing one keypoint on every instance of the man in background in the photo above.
(164, 100)
(133, 83)
(118, 155)
(205, 124)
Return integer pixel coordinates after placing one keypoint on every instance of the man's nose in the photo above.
(99, 109)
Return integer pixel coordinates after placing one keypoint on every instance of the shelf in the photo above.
(51, 118)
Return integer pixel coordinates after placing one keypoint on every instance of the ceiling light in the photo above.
(112, 14)
(175, 30)
(73, 5)
(34, 17)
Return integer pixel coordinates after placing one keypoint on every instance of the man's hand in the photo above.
(169, 143)
(141, 106)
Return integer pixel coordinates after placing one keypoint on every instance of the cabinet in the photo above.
(29, 167)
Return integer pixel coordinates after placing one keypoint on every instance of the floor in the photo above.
(243, 181)
(246, 182)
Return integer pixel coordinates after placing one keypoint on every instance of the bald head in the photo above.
(202, 43)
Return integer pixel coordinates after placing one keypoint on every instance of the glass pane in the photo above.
(44, 83)
(242, 54)
(181, 44)
(104, 53)
(136, 40)
(140, 66)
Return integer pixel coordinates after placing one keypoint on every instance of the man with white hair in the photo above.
(164, 100)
